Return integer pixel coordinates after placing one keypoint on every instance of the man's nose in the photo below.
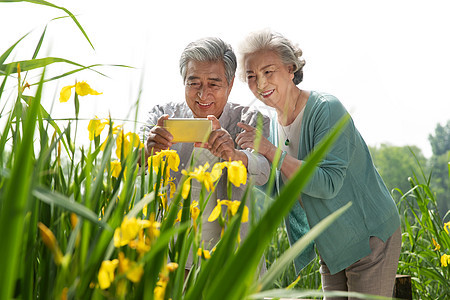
(203, 92)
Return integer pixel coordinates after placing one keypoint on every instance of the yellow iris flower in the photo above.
(106, 273)
(132, 270)
(171, 267)
(96, 127)
(195, 212)
(50, 241)
(232, 206)
(436, 245)
(445, 260)
(204, 253)
(81, 88)
(203, 176)
(237, 172)
(447, 227)
(129, 230)
(127, 142)
(116, 167)
(159, 159)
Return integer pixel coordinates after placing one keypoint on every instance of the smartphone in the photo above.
(188, 130)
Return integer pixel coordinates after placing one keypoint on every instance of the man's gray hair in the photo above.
(290, 54)
(209, 49)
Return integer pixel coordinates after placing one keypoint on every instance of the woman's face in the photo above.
(268, 78)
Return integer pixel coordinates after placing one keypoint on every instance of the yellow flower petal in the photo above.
(50, 241)
(83, 89)
(65, 93)
(106, 273)
(237, 173)
(116, 167)
(445, 259)
(186, 188)
(216, 212)
(446, 227)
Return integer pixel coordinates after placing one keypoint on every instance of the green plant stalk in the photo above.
(16, 195)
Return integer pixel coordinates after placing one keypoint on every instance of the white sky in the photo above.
(387, 61)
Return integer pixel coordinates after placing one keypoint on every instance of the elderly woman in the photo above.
(360, 251)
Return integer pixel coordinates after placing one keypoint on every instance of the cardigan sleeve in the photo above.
(328, 178)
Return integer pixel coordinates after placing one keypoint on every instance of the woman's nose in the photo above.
(261, 82)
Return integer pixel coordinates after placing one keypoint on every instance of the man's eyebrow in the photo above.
(218, 79)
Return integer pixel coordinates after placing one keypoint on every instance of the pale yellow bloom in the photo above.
(129, 230)
(153, 228)
(96, 127)
(201, 174)
(195, 212)
(132, 270)
(237, 172)
(50, 241)
(447, 227)
(204, 253)
(106, 273)
(171, 267)
(160, 289)
(142, 244)
(232, 206)
(116, 167)
(81, 88)
(445, 260)
(436, 245)
(73, 220)
(216, 211)
(65, 93)
(186, 187)
(126, 142)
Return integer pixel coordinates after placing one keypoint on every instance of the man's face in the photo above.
(206, 88)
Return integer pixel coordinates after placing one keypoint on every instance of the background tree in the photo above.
(396, 163)
(440, 145)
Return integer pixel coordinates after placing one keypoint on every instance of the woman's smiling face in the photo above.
(268, 78)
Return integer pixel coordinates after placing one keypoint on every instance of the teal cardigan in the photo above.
(346, 174)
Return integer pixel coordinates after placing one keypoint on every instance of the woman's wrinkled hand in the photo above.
(249, 139)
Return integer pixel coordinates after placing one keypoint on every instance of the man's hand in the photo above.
(221, 144)
(158, 138)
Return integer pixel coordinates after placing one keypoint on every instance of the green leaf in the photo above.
(289, 255)
(62, 201)
(26, 65)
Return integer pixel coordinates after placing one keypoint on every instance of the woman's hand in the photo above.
(246, 139)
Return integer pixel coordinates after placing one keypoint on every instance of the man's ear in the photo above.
(230, 86)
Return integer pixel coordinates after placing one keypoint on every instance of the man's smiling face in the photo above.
(206, 88)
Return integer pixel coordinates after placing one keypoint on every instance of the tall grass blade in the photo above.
(27, 65)
(15, 199)
(280, 264)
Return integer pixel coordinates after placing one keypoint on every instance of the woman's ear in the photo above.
(291, 71)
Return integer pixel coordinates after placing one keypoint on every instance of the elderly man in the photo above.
(208, 68)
